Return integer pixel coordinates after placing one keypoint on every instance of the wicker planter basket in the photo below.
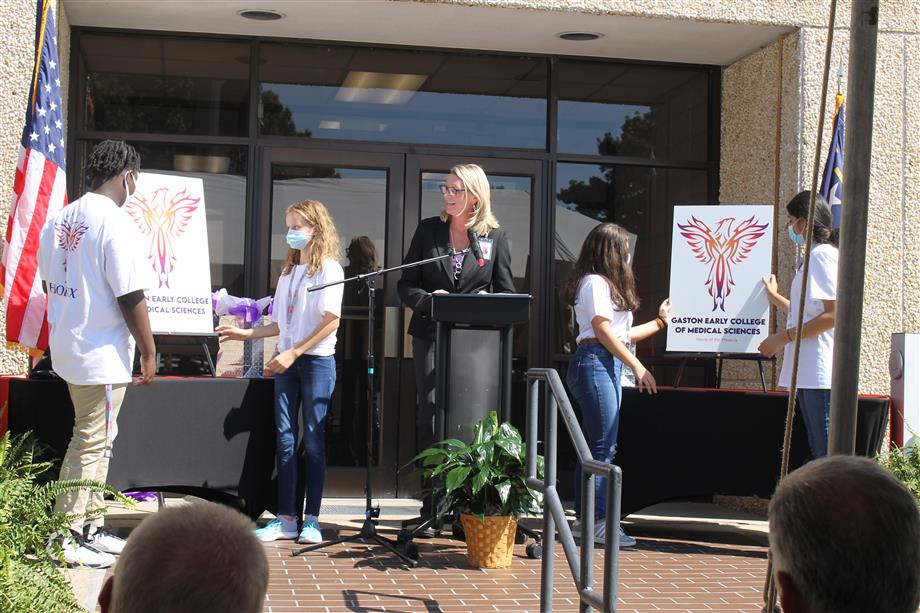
(489, 543)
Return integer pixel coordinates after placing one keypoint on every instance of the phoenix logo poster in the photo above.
(719, 255)
(168, 213)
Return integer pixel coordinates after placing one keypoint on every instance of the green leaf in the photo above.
(431, 451)
(452, 443)
(503, 488)
(485, 452)
(513, 447)
(456, 477)
(509, 431)
(481, 478)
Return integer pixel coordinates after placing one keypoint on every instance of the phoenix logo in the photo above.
(727, 245)
(69, 232)
(163, 217)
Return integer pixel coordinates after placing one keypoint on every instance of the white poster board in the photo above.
(168, 212)
(719, 254)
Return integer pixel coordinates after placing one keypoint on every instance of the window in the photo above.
(165, 85)
(403, 96)
(634, 111)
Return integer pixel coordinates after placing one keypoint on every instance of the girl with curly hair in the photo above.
(304, 365)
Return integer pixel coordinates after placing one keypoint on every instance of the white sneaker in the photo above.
(77, 553)
(102, 540)
(278, 528)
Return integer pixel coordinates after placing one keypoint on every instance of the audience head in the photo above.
(845, 538)
(191, 558)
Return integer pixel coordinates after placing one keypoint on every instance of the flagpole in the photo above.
(851, 268)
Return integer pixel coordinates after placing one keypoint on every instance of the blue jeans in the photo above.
(815, 406)
(594, 379)
(306, 385)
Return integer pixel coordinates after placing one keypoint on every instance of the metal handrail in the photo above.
(557, 402)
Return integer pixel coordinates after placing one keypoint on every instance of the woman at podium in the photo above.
(480, 261)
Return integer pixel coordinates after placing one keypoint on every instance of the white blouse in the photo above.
(593, 300)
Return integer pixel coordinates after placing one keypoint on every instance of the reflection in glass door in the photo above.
(357, 194)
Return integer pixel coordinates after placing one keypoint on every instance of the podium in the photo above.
(473, 353)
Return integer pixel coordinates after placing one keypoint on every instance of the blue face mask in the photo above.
(798, 239)
(297, 239)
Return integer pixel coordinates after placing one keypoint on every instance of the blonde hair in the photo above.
(475, 182)
(325, 241)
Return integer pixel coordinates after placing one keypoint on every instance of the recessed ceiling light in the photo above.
(579, 36)
(260, 14)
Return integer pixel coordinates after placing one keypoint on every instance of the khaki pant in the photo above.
(86, 457)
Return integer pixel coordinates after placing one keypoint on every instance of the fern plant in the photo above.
(905, 465)
(29, 578)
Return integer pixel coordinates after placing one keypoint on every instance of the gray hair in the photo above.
(197, 557)
(847, 533)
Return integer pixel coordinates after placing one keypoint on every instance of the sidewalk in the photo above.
(690, 557)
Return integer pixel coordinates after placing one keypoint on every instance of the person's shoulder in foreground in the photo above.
(845, 538)
(192, 558)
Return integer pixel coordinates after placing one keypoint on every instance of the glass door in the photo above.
(516, 194)
(364, 195)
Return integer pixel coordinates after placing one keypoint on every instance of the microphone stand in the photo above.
(371, 513)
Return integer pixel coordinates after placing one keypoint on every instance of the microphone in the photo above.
(474, 246)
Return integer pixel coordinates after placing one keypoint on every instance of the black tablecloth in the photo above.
(688, 443)
(198, 435)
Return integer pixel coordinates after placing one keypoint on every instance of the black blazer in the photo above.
(432, 238)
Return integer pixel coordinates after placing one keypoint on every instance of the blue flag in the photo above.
(832, 180)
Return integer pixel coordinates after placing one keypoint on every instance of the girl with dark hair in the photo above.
(602, 292)
(816, 354)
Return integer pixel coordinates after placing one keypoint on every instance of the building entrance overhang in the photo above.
(451, 26)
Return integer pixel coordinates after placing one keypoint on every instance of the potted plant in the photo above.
(905, 465)
(484, 481)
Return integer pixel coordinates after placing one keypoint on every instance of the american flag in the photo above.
(39, 190)
(832, 180)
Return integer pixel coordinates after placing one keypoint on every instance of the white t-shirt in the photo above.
(594, 300)
(817, 353)
(308, 307)
(88, 257)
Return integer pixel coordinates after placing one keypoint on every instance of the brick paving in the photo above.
(690, 557)
(659, 574)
